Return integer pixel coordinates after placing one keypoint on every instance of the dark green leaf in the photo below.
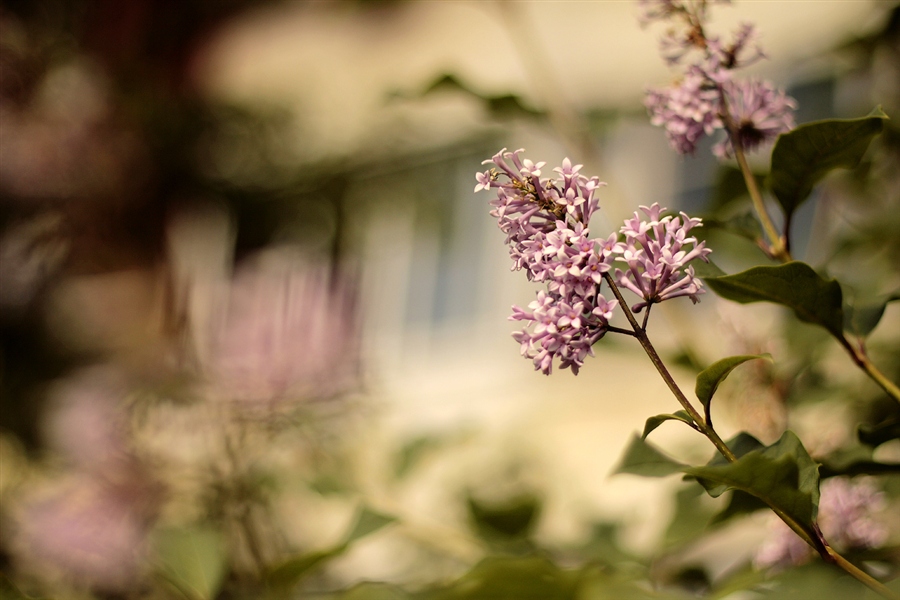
(863, 318)
(781, 475)
(654, 422)
(875, 435)
(803, 156)
(643, 459)
(740, 503)
(707, 269)
(513, 518)
(745, 225)
(192, 560)
(709, 379)
(501, 106)
(739, 445)
(502, 578)
(794, 285)
(374, 591)
(287, 573)
(690, 518)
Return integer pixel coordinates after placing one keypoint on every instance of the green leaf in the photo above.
(782, 475)
(510, 519)
(500, 106)
(643, 459)
(289, 572)
(709, 379)
(863, 318)
(794, 285)
(740, 503)
(374, 591)
(192, 560)
(805, 155)
(875, 435)
(519, 578)
(690, 518)
(745, 225)
(368, 521)
(654, 422)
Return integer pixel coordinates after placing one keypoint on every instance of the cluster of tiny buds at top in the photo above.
(707, 98)
(546, 225)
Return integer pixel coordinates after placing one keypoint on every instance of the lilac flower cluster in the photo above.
(657, 251)
(546, 225)
(697, 105)
(847, 516)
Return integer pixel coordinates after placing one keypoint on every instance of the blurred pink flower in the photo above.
(289, 332)
(85, 532)
(847, 517)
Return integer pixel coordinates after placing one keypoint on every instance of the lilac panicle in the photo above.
(697, 105)
(546, 226)
(657, 252)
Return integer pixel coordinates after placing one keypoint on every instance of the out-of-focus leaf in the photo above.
(863, 318)
(709, 379)
(192, 560)
(654, 422)
(374, 591)
(737, 581)
(730, 186)
(817, 580)
(643, 459)
(782, 475)
(690, 518)
(368, 521)
(289, 572)
(501, 106)
(501, 578)
(740, 503)
(8, 591)
(794, 285)
(707, 269)
(875, 435)
(745, 225)
(512, 519)
(805, 155)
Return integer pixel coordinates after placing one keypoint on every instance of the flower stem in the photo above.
(817, 542)
(641, 334)
(777, 247)
(859, 356)
(858, 574)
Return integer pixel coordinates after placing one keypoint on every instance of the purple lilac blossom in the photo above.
(657, 252)
(847, 518)
(688, 111)
(693, 107)
(545, 221)
(545, 224)
(760, 112)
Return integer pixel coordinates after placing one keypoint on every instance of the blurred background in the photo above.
(251, 310)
